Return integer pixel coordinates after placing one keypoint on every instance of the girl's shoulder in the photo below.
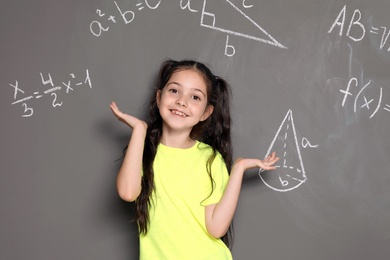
(207, 149)
(201, 145)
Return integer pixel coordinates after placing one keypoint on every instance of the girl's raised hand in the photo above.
(265, 164)
(129, 120)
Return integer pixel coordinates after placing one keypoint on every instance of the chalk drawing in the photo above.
(211, 21)
(69, 85)
(368, 98)
(306, 143)
(359, 28)
(208, 20)
(290, 172)
(245, 5)
(97, 27)
(187, 6)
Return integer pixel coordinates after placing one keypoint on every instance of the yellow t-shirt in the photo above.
(177, 229)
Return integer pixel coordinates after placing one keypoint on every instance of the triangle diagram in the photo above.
(213, 19)
(290, 172)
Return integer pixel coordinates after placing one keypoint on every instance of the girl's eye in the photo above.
(196, 98)
(173, 90)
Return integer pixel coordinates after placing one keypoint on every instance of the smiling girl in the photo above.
(176, 167)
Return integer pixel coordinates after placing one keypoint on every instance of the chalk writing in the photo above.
(290, 174)
(359, 28)
(369, 97)
(245, 5)
(187, 6)
(306, 143)
(47, 79)
(98, 27)
(209, 20)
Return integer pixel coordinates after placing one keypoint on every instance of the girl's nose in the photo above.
(181, 102)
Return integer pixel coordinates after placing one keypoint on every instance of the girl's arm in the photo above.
(220, 215)
(129, 176)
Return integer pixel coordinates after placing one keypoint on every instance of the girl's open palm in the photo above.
(129, 120)
(265, 164)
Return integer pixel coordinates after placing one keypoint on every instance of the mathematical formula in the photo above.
(368, 97)
(207, 20)
(359, 28)
(52, 91)
(98, 27)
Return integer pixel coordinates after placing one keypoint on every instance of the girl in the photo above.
(177, 166)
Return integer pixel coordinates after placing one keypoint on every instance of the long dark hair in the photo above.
(214, 131)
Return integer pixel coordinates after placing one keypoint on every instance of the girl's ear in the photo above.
(208, 111)
(158, 97)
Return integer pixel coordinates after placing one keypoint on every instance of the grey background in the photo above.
(58, 169)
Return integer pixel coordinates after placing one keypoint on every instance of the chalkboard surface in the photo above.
(310, 80)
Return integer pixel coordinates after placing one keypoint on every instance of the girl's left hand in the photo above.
(265, 164)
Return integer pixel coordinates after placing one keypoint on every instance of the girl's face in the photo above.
(183, 101)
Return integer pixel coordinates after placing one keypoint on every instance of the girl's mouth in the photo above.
(178, 113)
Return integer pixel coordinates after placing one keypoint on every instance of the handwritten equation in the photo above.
(363, 97)
(207, 20)
(368, 97)
(359, 28)
(98, 27)
(52, 91)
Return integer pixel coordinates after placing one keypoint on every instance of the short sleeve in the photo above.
(220, 176)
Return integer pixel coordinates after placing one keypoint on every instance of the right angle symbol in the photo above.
(290, 172)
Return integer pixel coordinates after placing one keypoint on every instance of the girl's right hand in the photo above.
(129, 120)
